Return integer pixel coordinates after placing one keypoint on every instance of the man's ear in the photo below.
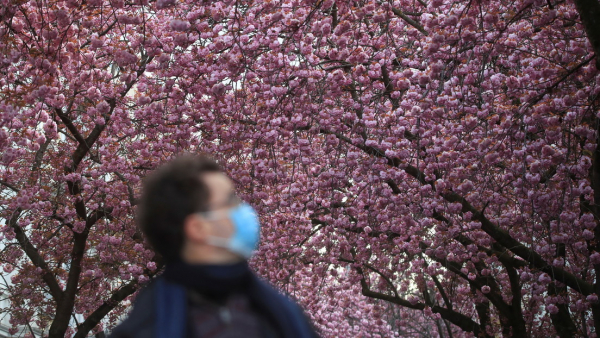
(195, 229)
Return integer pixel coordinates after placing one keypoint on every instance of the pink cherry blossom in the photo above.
(406, 157)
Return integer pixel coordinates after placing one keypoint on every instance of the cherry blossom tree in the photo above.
(416, 164)
(73, 152)
(447, 147)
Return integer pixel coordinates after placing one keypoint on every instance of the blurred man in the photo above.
(191, 215)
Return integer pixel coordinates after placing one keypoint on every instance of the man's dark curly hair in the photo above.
(169, 195)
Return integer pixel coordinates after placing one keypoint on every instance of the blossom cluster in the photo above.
(415, 164)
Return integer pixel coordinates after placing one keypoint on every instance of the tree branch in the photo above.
(409, 20)
(95, 317)
(117, 297)
(132, 200)
(456, 318)
(39, 155)
(500, 235)
(71, 127)
(35, 257)
(589, 12)
(9, 186)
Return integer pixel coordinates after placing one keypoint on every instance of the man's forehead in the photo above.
(221, 187)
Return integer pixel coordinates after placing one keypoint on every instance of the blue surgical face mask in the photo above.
(244, 239)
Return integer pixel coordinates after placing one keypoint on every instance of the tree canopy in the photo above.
(415, 163)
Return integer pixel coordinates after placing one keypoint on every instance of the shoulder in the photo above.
(267, 290)
(293, 313)
(139, 321)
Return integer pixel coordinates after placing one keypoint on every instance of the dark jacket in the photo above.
(160, 310)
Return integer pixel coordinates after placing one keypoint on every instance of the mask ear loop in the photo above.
(212, 240)
(211, 215)
(232, 244)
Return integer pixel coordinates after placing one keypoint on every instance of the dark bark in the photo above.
(505, 311)
(456, 318)
(562, 321)
(483, 312)
(506, 240)
(505, 243)
(447, 301)
(34, 255)
(66, 303)
(39, 155)
(93, 319)
(594, 208)
(409, 20)
(499, 235)
(589, 12)
(517, 322)
(64, 308)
